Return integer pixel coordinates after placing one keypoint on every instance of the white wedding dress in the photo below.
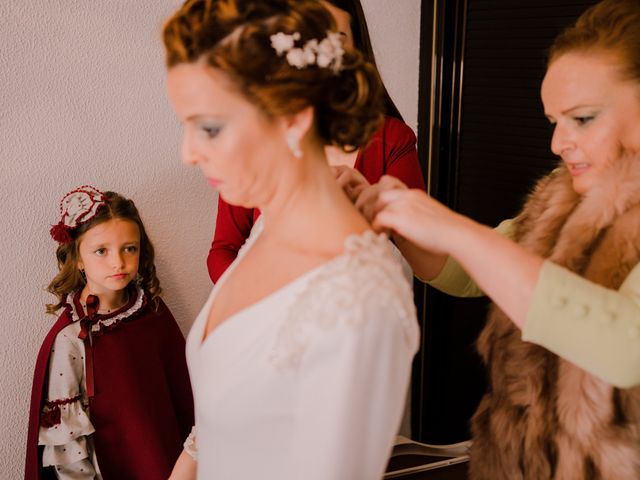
(310, 382)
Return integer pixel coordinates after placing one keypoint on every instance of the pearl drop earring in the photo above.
(293, 143)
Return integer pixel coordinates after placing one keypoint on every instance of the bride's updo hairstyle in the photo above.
(234, 36)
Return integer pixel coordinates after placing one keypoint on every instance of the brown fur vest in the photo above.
(543, 417)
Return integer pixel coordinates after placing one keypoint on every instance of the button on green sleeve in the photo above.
(596, 328)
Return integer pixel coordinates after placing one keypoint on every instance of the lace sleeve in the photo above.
(350, 336)
(190, 445)
(353, 381)
(368, 274)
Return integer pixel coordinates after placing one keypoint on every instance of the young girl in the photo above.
(111, 395)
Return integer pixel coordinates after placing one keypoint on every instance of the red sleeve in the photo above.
(233, 226)
(401, 155)
(392, 151)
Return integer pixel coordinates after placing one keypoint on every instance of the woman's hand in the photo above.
(415, 216)
(368, 202)
(350, 180)
(502, 269)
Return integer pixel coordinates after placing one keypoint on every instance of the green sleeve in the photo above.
(595, 328)
(453, 280)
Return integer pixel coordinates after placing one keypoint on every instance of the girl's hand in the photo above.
(420, 219)
(350, 180)
(368, 199)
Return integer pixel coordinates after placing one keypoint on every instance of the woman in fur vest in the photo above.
(562, 343)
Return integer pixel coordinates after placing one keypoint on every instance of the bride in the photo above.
(300, 358)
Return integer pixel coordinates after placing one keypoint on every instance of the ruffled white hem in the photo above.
(71, 452)
(81, 470)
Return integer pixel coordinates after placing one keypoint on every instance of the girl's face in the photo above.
(238, 149)
(595, 113)
(110, 255)
(343, 22)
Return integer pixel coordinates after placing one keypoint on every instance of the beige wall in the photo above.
(394, 26)
(82, 102)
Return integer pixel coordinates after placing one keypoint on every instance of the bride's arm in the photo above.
(185, 468)
(354, 376)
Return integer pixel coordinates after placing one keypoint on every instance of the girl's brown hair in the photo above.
(69, 278)
(610, 26)
(234, 36)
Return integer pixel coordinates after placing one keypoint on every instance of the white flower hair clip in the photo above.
(327, 53)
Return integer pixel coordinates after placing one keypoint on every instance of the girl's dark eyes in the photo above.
(129, 249)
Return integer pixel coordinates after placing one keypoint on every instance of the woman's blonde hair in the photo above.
(610, 26)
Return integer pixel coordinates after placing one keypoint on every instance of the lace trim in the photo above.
(110, 321)
(190, 444)
(366, 274)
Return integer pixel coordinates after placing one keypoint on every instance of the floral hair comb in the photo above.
(326, 53)
(77, 207)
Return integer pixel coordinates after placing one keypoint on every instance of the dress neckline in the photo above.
(352, 244)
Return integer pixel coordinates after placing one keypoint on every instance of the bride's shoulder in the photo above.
(362, 289)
